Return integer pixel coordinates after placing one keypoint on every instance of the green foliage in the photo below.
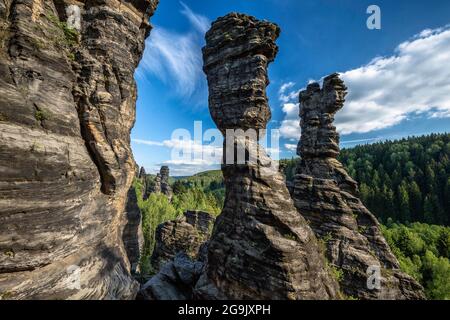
(196, 199)
(407, 180)
(157, 209)
(41, 115)
(3, 117)
(422, 251)
(210, 182)
(70, 35)
(288, 166)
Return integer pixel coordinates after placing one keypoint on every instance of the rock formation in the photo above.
(67, 104)
(142, 173)
(261, 248)
(328, 198)
(185, 234)
(175, 280)
(165, 186)
(132, 236)
(160, 184)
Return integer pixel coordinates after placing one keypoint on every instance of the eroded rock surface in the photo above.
(132, 236)
(185, 234)
(175, 280)
(165, 185)
(328, 198)
(261, 248)
(67, 104)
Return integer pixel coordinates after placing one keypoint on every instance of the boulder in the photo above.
(185, 234)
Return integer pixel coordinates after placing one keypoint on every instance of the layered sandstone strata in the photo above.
(261, 248)
(328, 198)
(67, 105)
(185, 234)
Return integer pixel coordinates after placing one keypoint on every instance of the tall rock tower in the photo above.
(261, 248)
(328, 198)
(67, 105)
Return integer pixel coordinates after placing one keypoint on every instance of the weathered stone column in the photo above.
(165, 186)
(261, 248)
(67, 105)
(328, 198)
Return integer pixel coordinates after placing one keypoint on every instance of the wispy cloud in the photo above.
(200, 22)
(176, 58)
(415, 81)
(360, 140)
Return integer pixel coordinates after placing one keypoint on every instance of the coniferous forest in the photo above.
(406, 180)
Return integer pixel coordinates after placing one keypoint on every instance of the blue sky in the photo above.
(398, 77)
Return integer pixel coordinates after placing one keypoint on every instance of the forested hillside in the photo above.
(407, 180)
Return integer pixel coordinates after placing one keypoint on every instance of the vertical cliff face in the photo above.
(67, 105)
(261, 248)
(328, 197)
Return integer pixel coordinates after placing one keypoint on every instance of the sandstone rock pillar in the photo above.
(165, 186)
(328, 198)
(261, 248)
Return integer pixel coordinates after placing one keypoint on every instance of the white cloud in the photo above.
(195, 156)
(287, 96)
(148, 142)
(413, 81)
(200, 22)
(176, 58)
(290, 126)
(189, 145)
(189, 156)
(290, 146)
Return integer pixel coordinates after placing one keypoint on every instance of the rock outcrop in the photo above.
(142, 173)
(328, 198)
(165, 185)
(175, 281)
(185, 234)
(132, 236)
(261, 248)
(67, 104)
(160, 184)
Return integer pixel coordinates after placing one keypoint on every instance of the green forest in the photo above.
(405, 183)
(407, 180)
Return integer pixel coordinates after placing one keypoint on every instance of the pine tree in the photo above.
(403, 203)
(415, 202)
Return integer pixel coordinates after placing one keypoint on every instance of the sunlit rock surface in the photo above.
(67, 105)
